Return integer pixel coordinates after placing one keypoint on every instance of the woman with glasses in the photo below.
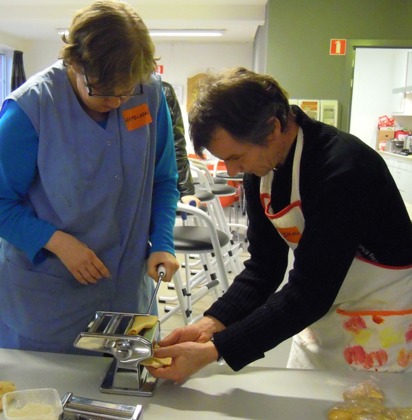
(87, 184)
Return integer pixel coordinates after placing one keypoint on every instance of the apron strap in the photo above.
(295, 194)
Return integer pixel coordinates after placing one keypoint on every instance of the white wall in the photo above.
(41, 55)
(184, 60)
(11, 42)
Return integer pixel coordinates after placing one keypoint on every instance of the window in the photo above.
(2, 76)
(6, 61)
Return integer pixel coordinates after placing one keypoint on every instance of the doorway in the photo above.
(377, 72)
(352, 46)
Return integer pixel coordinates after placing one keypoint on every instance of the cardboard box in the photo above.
(384, 135)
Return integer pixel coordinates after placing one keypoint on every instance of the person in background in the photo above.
(185, 181)
(330, 198)
(87, 184)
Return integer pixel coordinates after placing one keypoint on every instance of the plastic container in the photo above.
(32, 404)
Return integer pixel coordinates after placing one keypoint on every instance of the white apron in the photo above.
(369, 326)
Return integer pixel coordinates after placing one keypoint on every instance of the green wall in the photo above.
(299, 34)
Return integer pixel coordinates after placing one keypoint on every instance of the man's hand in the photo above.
(187, 359)
(190, 349)
(201, 332)
(185, 334)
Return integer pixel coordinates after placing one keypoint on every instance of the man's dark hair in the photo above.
(240, 101)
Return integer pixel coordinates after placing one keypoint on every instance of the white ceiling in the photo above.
(39, 19)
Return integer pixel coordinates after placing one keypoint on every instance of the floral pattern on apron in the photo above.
(369, 326)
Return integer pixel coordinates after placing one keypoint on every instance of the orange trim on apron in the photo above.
(373, 313)
(390, 267)
(281, 213)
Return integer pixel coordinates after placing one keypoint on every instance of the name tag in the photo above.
(137, 117)
(291, 234)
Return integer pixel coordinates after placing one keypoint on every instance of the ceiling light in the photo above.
(187, 32)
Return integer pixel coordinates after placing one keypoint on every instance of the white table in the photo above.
(257, 392)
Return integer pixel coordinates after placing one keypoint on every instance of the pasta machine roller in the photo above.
(107, 333)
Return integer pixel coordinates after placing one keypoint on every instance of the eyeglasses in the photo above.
(105, 95)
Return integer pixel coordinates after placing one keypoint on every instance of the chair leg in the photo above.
(194, 297)
(193, 288)
(188, 290)
(181, 307)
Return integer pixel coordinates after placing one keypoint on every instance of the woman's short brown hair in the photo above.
(112, 44)
(240, 101)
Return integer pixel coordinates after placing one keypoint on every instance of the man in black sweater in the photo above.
(331, 199)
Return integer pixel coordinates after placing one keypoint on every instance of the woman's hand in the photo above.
(77, 257)
(166, 259)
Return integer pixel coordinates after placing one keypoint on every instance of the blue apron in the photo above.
(95, 184)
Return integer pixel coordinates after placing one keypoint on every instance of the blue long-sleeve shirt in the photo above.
(18, 161)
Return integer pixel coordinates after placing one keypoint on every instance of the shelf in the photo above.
(396, 155)
(404, 89)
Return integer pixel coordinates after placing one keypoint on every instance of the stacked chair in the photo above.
(204, 240)
(221, 193)
(220, 176)
(200, 237)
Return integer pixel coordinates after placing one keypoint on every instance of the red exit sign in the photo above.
(337, 47)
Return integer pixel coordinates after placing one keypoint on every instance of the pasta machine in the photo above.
(109, 333)
(76, 408)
